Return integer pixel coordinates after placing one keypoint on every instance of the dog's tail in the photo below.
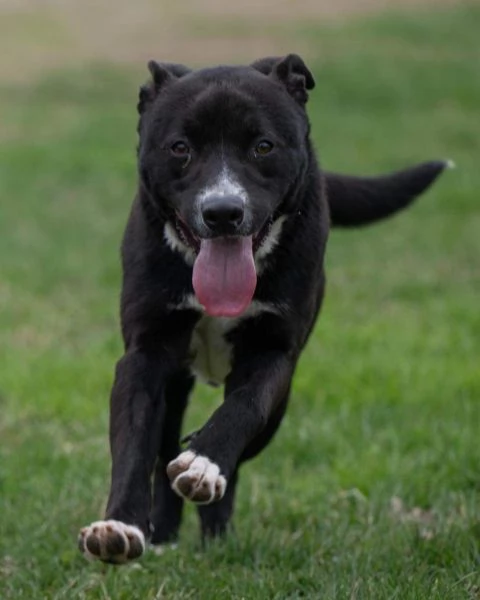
(356, 201)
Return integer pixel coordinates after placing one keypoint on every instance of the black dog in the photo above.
(223, 263)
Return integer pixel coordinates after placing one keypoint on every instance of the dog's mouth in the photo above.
(193, 241)
(186, 235)
(224, 275)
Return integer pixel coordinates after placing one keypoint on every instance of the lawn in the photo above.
(371, 489)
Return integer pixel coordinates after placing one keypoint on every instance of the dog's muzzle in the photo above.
(223, 215)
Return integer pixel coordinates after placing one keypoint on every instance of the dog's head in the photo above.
(221, 155)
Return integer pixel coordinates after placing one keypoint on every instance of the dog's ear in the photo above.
(291, 71)
(162, 75)
(265, 65)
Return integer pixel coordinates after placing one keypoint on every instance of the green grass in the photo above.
(371, 489)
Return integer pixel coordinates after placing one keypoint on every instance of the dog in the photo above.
(223, 279)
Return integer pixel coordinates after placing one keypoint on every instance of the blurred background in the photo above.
(371, 488)
(42, 35)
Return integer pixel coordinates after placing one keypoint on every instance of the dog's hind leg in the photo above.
(167, 505)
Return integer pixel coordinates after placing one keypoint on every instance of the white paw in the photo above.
(111, 541)
(196, 478)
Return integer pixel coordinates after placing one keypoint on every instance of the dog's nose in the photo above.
(223, 214)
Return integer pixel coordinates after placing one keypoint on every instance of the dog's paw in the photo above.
(196, 478)
(111, 541)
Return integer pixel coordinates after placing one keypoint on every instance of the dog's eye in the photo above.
(180, 149)
(263, 147)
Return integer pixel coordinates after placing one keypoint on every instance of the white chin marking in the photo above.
(196, 478)
(177, 245)
(111, 541)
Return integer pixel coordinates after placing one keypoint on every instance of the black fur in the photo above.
(355, 201)
(221, 114)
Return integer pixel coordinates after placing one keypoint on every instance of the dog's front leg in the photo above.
(254, 388)
(136, 412)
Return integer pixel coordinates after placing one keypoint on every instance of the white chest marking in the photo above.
(209, 348)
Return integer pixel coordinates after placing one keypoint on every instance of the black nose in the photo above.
(223, 214)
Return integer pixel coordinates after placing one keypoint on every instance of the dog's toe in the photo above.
(111, 541)
(196, 478)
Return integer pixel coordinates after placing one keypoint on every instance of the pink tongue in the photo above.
(224, 276)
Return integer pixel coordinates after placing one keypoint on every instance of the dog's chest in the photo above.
(210, 350)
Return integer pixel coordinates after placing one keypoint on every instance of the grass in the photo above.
(371, 489)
